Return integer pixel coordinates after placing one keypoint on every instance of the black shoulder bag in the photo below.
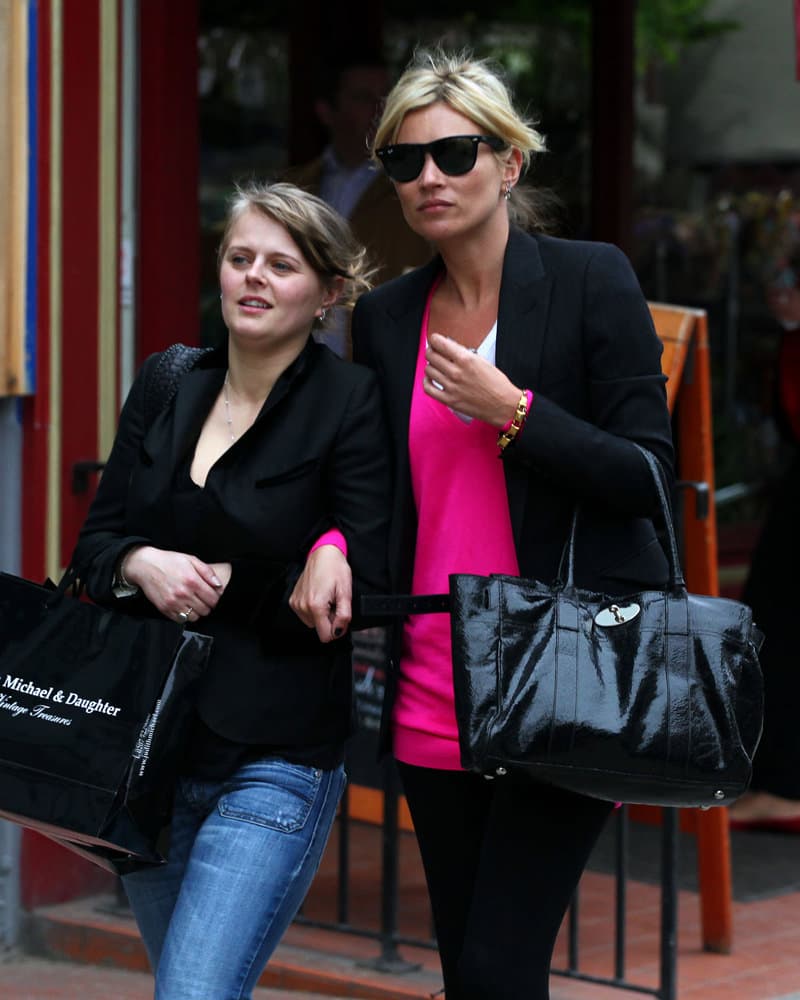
(94, 704)
(93, 711)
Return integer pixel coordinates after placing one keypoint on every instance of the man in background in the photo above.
(350, 92)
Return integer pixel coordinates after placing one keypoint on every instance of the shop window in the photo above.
(243, 87)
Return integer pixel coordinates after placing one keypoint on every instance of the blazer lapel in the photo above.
(405, 312)
(193, 401)
(521, 333)
(168, 439)
(522, 314)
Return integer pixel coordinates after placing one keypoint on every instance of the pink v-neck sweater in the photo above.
(463, 527)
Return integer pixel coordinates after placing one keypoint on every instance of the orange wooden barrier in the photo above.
(684, 334)
(685, 362)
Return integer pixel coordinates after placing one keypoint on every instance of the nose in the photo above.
(430, 173)
(256, 271)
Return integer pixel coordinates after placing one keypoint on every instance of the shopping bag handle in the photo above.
(70, 581)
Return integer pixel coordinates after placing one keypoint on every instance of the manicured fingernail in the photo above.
(338, 631)
(216, 581)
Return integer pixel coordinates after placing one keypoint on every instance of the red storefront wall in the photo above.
(61, 420)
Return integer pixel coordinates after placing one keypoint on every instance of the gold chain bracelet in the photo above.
(507, 435)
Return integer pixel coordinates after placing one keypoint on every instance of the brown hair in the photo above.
(323, 236)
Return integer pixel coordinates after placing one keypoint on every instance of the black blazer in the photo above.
(574, 328)
(315, 458)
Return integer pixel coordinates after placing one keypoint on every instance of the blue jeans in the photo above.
(243, 852)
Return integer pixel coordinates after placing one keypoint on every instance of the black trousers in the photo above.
(502, 859)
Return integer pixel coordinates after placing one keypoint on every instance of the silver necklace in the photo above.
(227, 402)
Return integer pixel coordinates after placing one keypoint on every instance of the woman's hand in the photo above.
(176, 582)
(322, 597)
(467, 383)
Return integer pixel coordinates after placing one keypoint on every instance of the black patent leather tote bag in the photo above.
(655, 697)
(93, 709)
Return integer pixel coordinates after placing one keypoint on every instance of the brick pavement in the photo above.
(27, 978)
(764, 964)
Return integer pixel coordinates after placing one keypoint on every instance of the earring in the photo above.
(507, 193)
(322, 315)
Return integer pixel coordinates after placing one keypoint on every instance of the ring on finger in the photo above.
(183, 616)
(437, 385)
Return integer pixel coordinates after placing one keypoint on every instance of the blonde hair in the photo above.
(475, 88)
(323, 236)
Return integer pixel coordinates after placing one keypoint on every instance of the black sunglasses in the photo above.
(454, 155)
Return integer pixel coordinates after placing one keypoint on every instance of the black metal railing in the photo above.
(388, 935)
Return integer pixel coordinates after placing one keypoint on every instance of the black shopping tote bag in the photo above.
(93, 709)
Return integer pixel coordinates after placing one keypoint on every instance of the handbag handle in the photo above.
(676, 580)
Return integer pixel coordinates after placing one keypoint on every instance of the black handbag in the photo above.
(655, 697)
(93, 709)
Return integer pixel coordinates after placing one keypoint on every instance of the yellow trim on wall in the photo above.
(13, 194)
(54, 449)
(5, 182)
(108, 236)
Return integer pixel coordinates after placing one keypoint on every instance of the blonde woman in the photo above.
(518, 372)
(225, 514)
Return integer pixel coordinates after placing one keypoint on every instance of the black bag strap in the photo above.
(676, 580)
(162, 383)
(70, 583)
(676, 573)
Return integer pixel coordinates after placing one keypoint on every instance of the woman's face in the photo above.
(270, 292)
(439, 206)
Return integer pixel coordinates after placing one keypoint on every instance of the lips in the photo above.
(253, 303)
(432, 205)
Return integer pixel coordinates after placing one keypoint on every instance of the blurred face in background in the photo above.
(784, 304)
(351, 118)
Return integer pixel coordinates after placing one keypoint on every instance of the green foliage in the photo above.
(664, 27)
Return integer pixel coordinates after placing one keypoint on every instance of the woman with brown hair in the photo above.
(224, 513)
